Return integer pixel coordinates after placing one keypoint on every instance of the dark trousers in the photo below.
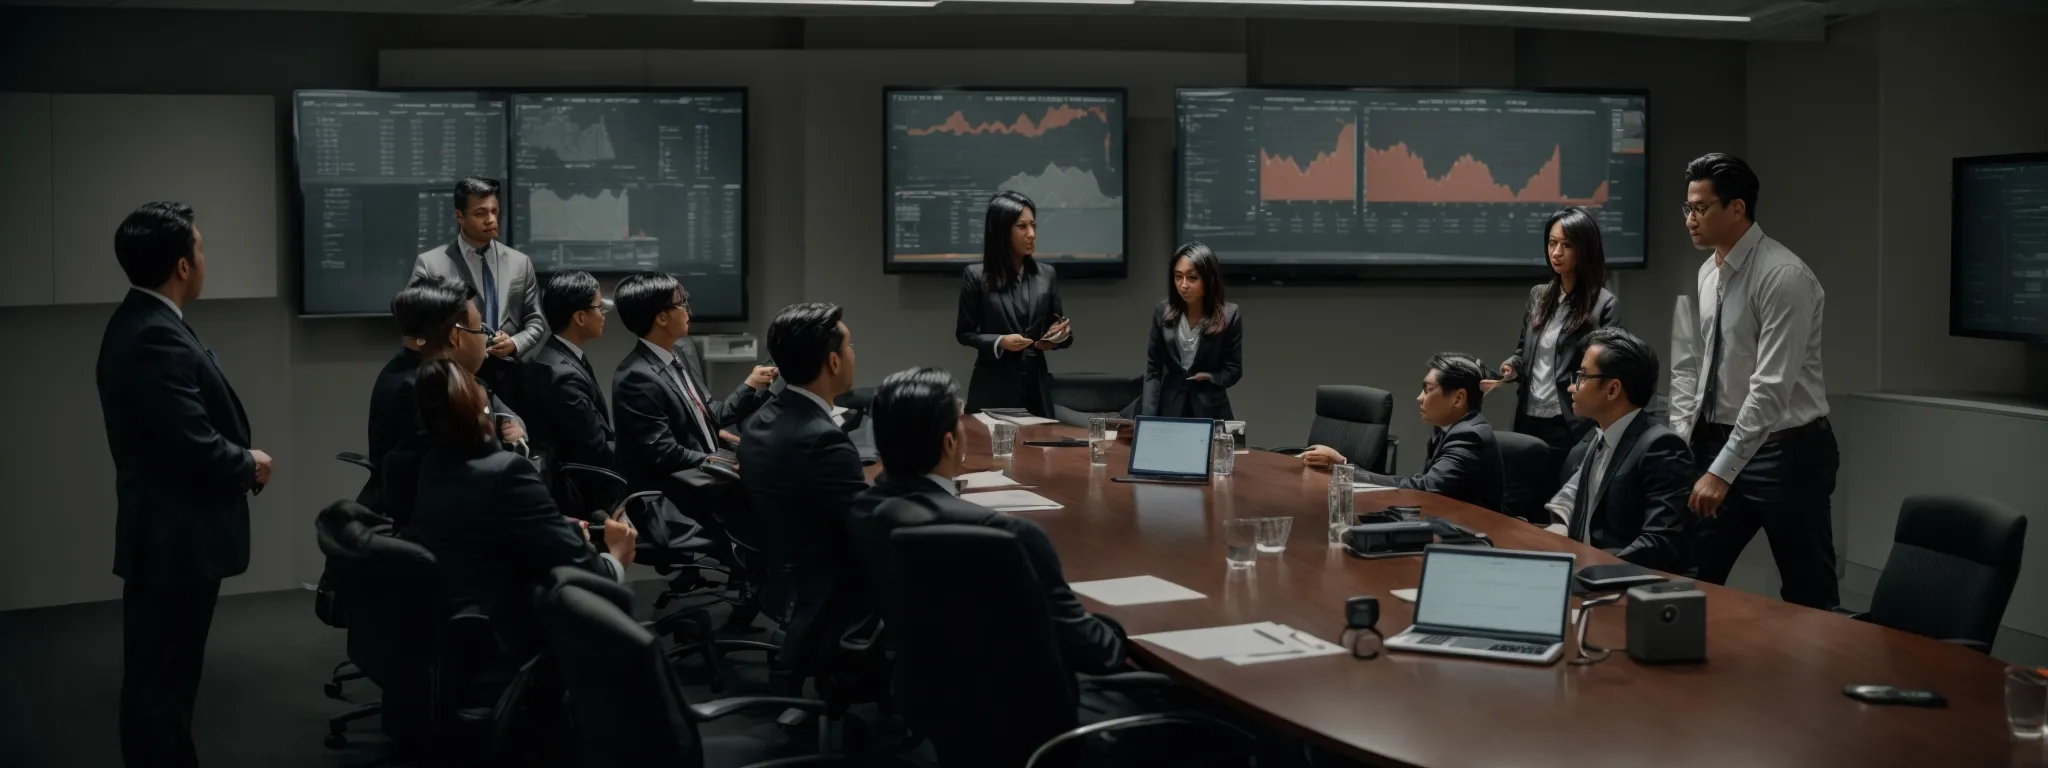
(1786, 490)
(163, 643)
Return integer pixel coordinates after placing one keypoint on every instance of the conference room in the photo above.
(1306, 384)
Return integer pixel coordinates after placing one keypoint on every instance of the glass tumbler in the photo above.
(1340, 501)
(1098, 441)
(1241, 542)
(1002, 439)
(2026, 702)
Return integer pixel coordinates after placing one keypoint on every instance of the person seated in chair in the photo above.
(487, 517)
(667, 421)
(1463, 462)
(922, 440)
(801, 471)
(571, 423)
(1629, 494)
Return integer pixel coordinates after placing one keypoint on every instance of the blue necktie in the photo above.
(490, 290)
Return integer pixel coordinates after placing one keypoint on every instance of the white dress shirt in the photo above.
(1542, 381)
(1186, 339)
(165, 299)
(1770, 365)
(668, 360)
(822, 405)
(1560, 506)
(948, 484)
(573, 348)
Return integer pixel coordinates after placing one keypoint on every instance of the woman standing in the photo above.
(1195, 350)
(1561, 314)
(1010, 312)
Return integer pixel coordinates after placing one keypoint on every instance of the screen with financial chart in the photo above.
(949, 150)
(1355, 182)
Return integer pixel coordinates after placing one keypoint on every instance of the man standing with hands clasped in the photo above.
(183, 471)
(1753, 402)
(507, 291)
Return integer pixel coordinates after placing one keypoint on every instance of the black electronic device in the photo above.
(1362, 618)
(1667, 622)
(1889, 694)
(1613, 576)
(1064, 442)
(1407, 537)
(1995, 238)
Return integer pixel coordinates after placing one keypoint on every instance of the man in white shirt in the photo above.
(1753, 403)
(1629, 494)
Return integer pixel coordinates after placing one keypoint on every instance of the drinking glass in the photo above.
(1098, 441)
(1339, 502)
(1003, 439)
(1222, 451)
(2026, 702)
(1241, 542)
(1236, 430)
(1273, 532)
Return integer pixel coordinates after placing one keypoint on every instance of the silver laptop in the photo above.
(1502, 604)
(1169, 450)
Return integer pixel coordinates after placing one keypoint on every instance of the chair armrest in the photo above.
(1290, 450)
(1128, 681)
(1389, 459)
(787, 762)
(351, 457)
(712, 710)
(1857, 615)
(1194, 719)
(598, 471)
(1975, 645)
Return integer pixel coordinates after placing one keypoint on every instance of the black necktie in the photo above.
(1582, 504)
(1712, 390)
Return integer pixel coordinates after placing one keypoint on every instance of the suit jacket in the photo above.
(180, 442)
(1640, 514)
(570, 421)
(1090, 644)
(658, 431)
(519, 312)
(1221, 355)
(802, 471)
(395, 429)
(735, 407)
(496, 533)
(1571, 348)
(1464, 464)
(1028, 308)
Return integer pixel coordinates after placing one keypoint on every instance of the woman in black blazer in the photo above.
(1560, 315)
(1195, 350)
(1010, 312)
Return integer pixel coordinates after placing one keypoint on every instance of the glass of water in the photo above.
(1340, 501)
(1236, 430)
(1273, 532)
(1222, 451)
(1098, 441)
(2026, 702)
(1003, 439)
(1241, 542)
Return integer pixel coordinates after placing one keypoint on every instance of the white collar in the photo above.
(823, 407)
(571, 345)
(1611, 436)
(473, 250)
(666, 357)
(165, 299)
(947, 484)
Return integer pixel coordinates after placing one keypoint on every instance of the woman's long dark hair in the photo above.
(1589, 272)
(1210, 271)
(452, 405)
(1003, 212)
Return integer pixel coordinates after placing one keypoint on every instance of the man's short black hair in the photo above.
(564, 294)
(1731, 178)
(643, 295)
(151, 240)
(913, 412)
(1456, 371)
(1628, 360)
(430, 305)
(473, 187)
(802, 338)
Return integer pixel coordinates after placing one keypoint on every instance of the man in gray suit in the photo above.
(508, 293)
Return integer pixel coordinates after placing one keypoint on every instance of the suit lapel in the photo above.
(589, 376)
(241, 425)
(475, 284)
(1622, 447)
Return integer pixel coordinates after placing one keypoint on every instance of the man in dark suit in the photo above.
(571, 423)
(922, 441)
(1464, 461)
(666, 420)
(183, 471)
(802, 471)
(1629, 494)
(502, 279)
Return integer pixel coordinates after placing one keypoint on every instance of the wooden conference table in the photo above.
(1769, 694)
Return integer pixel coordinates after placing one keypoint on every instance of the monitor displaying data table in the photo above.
(950, 150)
(376, 178)
(624, 182)
(1998, 254)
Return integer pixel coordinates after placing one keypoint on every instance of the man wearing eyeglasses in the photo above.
(1753, 402)
(1628, 494)
(570, 421)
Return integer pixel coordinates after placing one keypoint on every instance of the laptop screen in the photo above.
(1494, 592)
(1171, 447)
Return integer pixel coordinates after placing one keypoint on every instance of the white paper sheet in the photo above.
(1365, 487)
(1028, 421)
(990, 479)
(1251, 642)
(985, 419)
(1407, 595)
(1012, 501)
(1302, 645)
(1134, 590)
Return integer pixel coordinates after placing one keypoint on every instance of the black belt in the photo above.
(1720, 432)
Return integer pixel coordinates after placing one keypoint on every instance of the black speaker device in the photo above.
(1409, 536)
(1667, 623)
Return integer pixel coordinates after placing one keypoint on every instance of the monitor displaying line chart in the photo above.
(950, 150)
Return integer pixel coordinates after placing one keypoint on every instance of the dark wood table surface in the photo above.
(1770, 693)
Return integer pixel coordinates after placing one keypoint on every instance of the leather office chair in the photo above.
(979, 671)
(856, 402)
(1078, 397)
(388, 592)
(325, 605)
(1528, 481)
(624, 694)
(1953, 563)
(1356, 421)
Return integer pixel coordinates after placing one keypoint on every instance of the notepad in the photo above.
(985, 419)
(1027, 421)
(1242, 644)
(1133, 590)
(979, 480)
(1300, 645)
(1012, 501)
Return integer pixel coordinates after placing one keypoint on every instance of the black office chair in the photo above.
(325, 601)
(1528, 482)
(389, 595)
(1078, 397)
(856, 401)
(1355, 420)
(624, 695)
(1953, 563)
(979, 671)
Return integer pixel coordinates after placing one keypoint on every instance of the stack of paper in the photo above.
(1364, 487)
(1244, 643)
(1134, 590)
(985, 419)
(974, 481)
(1012, 501)
(1027, 421)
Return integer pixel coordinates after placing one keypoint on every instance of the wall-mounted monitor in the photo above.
(616, 182)
(1998, 248)
(948, 150)
(376, 177)
(1352, 183)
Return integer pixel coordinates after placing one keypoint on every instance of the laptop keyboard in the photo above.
(1483, 644)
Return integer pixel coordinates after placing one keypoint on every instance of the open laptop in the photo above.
(1165, 450)
(1502, 604)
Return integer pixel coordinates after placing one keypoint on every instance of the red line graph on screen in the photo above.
(1395, 175)
(1329, 176)
(1054, 117)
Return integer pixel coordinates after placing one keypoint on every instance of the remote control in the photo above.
(1885, 694)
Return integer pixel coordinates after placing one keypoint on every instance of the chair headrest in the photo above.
(1352, 402)
(568, 576)
(349, 530)
(1969, 527)
(1519, 443)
